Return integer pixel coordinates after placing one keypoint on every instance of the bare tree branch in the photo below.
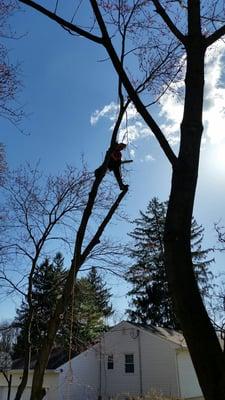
(215, 36)
(129, 87)
(161, 11)
(96, 238)
(106, 42)
(63, 22)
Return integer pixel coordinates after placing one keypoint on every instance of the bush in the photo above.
(153, 395)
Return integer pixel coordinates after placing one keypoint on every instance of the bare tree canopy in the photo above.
(9, 73)
(41, 214)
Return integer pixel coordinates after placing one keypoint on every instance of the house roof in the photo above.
(57, 358)
(164, 333)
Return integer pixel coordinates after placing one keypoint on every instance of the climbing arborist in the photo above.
(114, 164)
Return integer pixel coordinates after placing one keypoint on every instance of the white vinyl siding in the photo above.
(159, 368)
(189, 386)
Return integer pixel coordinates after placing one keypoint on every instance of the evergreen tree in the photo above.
(150, 298)
(102, 293)
(47, 285)
(91, 306)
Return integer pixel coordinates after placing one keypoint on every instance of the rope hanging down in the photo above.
(69, 375)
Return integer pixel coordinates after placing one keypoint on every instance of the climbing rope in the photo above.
(69, 375)
(125, 135)
(71, 323)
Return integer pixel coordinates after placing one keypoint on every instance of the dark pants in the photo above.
(114, 166)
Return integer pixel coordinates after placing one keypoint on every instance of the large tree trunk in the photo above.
(28, 344)
(23, 383)
(206, 353)
(207, 356)
(54, 323)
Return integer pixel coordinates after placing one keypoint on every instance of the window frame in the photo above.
(129, 365)
(110, 362)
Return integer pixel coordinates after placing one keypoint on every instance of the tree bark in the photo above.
(27, 358)
(48, 341)
(205, 351)
(203, 344)
(28, 344)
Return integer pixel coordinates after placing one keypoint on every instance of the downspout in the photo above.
(100, 371)
(9, 386)
(140, 362)
(177, 371)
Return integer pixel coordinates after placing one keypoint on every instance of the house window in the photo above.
(129, 363)
(110, 362)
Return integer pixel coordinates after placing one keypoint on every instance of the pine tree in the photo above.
(47, 285)
(151, 302)
(91, 306)
(102, 293)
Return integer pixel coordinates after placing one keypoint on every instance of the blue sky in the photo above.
(65, 84)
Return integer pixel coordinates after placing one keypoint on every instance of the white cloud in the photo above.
(147, 158)
(132, 153)
(171, 109)
(214, 114)
(108, 111)
(214, 94)
(132, 127)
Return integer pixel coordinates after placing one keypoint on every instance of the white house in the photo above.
(50, 383)
(127, 360)
(131, 360)
(51, 378)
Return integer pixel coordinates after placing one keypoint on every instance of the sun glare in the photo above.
(218, 155)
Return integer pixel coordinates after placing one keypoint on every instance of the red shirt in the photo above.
(116, 154)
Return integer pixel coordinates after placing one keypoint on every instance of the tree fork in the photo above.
(63, 302)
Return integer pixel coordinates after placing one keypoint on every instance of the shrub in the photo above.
(153, 395)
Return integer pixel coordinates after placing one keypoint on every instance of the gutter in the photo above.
(140, 362)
